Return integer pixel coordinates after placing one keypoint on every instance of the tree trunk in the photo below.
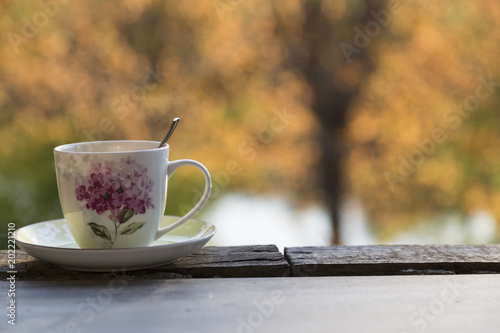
(333, 88)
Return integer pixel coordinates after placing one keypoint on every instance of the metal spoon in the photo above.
(170, 131)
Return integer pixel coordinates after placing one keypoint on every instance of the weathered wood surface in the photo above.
(393, 260)
(230, 261)
(389, 304)
(267, 261)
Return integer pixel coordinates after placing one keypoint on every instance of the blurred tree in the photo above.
(267, 93)
(334, 80)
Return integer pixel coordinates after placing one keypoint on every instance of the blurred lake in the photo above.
(242, 219)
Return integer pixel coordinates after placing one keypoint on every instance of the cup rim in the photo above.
(69, 147)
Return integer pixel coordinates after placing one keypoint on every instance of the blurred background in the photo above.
(321, 122)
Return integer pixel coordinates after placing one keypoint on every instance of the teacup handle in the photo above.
(174, 165)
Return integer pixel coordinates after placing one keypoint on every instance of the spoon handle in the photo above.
(170, 131)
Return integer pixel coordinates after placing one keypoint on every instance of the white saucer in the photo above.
(51, 241)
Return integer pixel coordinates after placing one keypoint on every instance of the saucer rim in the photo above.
(122, 249)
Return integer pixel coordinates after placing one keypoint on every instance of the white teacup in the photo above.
(113, 193)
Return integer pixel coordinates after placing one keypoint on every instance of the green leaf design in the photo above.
(130, 229)
(100, 230)
(126, 215)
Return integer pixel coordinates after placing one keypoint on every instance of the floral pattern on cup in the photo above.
(117, 190)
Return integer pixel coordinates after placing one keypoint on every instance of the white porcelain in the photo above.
(113, 193)
(52, 241)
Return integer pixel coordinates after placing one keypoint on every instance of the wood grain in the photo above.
(393, 260)
(267, 261)
(231, 261)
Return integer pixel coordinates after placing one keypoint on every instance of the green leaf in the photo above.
(126, 215)
(100, 230)
(130, 229)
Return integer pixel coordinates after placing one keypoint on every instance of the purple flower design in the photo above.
(119, 191)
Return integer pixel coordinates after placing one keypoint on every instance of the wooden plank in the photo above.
(439, 303)
(230, 261)
(393, 260)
